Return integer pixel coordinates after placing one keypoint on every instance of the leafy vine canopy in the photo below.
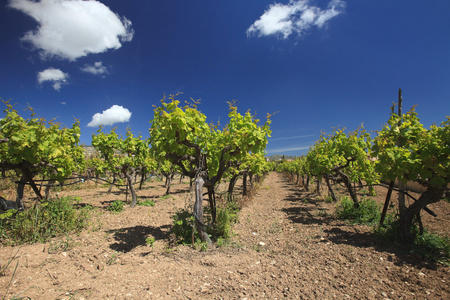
(175, 130)
(37, 144)
(408, 151)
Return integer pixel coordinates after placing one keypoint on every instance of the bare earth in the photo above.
(288, 245)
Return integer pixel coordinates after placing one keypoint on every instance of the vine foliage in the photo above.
(203, 151)
(35, 146)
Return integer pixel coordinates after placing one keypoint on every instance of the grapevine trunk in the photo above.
(431, 195)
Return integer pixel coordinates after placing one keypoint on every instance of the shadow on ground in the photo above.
(410, 254)
(307, 209)
(129, 238)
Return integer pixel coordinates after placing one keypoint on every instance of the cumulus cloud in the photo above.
(97, 68)
(114, 114)
(70, 29)
(296, 17)
(56, 76)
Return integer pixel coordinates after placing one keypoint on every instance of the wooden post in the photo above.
(401, 186)
(386, 202)
(401, 195)
(198, 210)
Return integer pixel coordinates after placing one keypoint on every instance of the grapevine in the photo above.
(202, 151)
(424, 157)
(36, 146)
(129, 156)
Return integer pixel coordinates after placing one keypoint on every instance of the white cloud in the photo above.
(97, 68)
(296, 17)
(114, 114)
(70, 29)
(56, 76)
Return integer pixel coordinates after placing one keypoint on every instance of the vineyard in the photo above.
(196, 211)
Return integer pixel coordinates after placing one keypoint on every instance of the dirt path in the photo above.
(287, 246)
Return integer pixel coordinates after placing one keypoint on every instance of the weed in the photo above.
(433, 246)
(12, 277)
(224, 221)
(113, 259)
(166, 197)
(203, 246)
(328, 199)
(183, 227)
(116, 206)
(60, 246)
(428, 245)
(150, 241)
(368, 211)
(3, 268)
(40, 223)
(184, 224)
(221, 242)
(147, 202)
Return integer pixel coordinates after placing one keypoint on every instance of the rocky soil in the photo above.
(287, 245)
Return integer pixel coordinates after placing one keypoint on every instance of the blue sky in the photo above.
(318, 64)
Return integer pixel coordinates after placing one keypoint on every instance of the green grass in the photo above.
(46, 220)
(428, 245)
(433, 247)
(222, 227)
(183, 224)
(368, 212)
(116, 206)
(327, 199)
(147, 202)
(150, 241)
(220, 232)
